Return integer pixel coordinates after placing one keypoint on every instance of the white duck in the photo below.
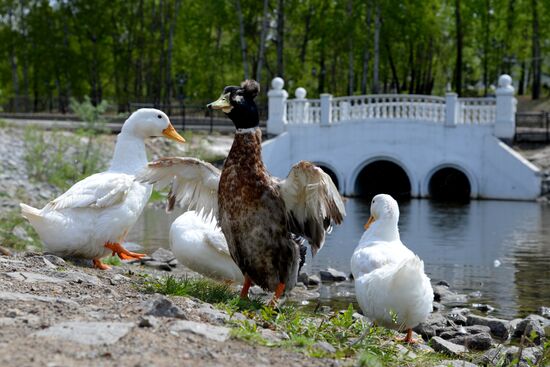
(390, 284)
(93, 217)
(198, 243)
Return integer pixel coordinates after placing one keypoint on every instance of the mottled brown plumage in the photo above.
(253, 218)
(262, 218)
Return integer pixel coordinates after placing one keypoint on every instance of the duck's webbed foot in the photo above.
(408, 338)
(246, 286)
(122, 252)
(99, 265)
(278, 293)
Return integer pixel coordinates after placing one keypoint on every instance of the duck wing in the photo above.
(193, 183)
(312, 203)
(100, 190)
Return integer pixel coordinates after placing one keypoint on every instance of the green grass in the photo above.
(206, 290)
(61, 159)
(8, 222)
(112, 260)
(304, 328)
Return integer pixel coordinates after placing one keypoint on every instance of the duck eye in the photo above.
(159, 116)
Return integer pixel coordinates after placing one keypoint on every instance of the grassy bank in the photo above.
(342, 335)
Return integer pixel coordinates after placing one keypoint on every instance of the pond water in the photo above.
(498, 248)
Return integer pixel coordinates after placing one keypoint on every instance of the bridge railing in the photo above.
(477, 110)
(498, 111)
(387, 106)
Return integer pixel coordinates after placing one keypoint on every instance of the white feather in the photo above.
(198, 243)
(194, 183)
(390, 284)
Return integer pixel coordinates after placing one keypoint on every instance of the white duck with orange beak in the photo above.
(93, 217)
(390, 284)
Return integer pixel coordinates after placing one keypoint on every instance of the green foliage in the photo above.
(204, 289)
(61, 159)
(91, 115)
(128, 51)
(11, 220)
(112, 260)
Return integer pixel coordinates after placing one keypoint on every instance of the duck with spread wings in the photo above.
(262, 217)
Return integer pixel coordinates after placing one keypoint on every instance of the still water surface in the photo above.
(458, 244)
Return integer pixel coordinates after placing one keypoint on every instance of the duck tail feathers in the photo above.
(29, 212)
(412, 267)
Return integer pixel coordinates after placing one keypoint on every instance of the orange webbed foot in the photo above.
(278, 293)
(122, 252)
(408, 338)
(99, 265)
(246, 286)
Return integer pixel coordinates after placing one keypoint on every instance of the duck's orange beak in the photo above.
(171, 133)
(370, 221)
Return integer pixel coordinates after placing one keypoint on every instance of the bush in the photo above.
(62, 159)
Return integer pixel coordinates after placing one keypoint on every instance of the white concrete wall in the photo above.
(494, 170)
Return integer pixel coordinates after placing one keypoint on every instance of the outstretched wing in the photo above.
(194, 183)
(101, 190)
(312, 203)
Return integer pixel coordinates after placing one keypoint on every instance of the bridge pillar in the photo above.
(451, 109)
(505, 124)
(326, 109)
(277, 96)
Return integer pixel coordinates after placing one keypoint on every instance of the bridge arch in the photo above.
(333, 173)
(383, 174)
(450, 182)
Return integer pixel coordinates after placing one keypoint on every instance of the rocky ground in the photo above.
(58, 313)
(53, 313)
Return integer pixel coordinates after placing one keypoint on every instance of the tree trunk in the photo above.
(395, 77)
(280, 37)
(263, 34)
(413, 71)
(13, 63)
(486, 30)
(305, 40)
(243, 39)
(536, 62)
(521, 86)
(169, 86)
(350, 50)
(459, 41)
(375, 76)
(510, 16)
(366, 54)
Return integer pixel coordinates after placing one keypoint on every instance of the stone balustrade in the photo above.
(449, 110)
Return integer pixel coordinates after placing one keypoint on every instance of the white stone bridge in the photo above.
(404, 145)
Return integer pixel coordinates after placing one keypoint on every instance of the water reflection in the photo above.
(458, 243)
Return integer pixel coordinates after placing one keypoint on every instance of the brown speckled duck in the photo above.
(262, 217)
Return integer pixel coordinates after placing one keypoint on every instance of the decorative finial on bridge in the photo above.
(505, 82)
(300, 93)
(277, 83)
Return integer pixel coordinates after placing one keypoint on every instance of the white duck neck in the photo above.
(383, 229)
(130, 155)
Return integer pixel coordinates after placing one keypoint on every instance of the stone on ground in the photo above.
(90, 333)
(332, 275)
(163, 307)
(217, 333)
(444, 346)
